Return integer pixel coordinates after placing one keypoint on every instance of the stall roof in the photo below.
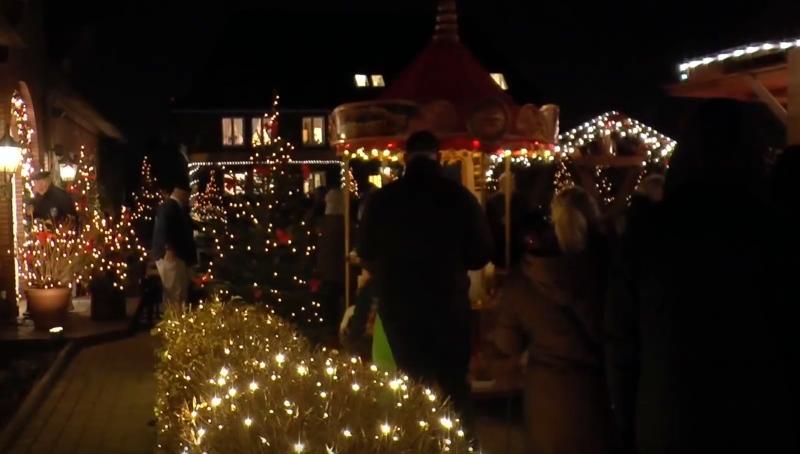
(8, 36)
(738, 73)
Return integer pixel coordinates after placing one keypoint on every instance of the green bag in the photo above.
(381, 350)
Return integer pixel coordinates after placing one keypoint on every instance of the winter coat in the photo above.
(553, 309)
(55, 204)
(173, 229)
(419, 237)
(330, 249)
(697, 359)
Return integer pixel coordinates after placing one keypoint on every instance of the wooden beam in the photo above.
(768, 98)
(793, 120)
(609, 161)
(625, 189)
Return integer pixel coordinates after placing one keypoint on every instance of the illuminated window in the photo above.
(377, 80)
(500, 80)
(232, 131)
(313, 130)
(235, 183)
(377, 180)
(260, 180)
(372, 80)
(361, 80)
(262, 131)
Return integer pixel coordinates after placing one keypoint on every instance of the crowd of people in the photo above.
(667, 331)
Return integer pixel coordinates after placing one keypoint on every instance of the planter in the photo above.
(48, 306)
(107, 301)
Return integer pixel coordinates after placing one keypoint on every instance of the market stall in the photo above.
(608, 156)
(768, 72)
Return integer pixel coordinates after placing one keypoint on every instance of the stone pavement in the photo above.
(101, 404)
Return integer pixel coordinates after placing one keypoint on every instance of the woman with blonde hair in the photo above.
(552, 307)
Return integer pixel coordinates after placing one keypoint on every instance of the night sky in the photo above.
(138, 59)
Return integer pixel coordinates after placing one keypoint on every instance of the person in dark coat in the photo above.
(785, 197)
(174, 249)
(697, 360)
(552, 307)
(51, 203)
(419, 237)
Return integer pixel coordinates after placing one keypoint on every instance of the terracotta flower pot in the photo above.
(48, 306)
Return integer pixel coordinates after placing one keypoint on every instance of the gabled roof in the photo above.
(655, 146)
(61, 95)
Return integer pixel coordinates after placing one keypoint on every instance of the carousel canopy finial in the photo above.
(446, 21)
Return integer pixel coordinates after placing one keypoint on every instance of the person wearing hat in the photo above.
(51, 203)
(419, 236)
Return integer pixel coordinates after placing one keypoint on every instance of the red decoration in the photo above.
(306, 171)
(44, 236)
(313, 285)
(283, 237)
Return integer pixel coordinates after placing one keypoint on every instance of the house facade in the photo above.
(46, 117)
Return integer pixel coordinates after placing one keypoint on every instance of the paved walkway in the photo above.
(101, 404)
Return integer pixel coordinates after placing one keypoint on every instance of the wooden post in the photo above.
(793, 118)
(346, 195)
(508, 189)
(767, 98)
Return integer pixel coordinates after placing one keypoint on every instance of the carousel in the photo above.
(445, 90)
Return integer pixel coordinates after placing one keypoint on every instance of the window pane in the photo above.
(319, 130)
(241, 182)
(229, 183)
(377, 80)
(377, 180)
(260, 180)
(500, 80)
(238, 131)
(361, 80)
(227, 139)
(262, 131)
(306, 130)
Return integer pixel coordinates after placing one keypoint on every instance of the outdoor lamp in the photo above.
(10, 157)
(67, 171)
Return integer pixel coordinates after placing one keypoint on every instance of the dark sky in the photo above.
(133, 58)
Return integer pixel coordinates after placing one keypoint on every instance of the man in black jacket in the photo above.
(51, 203)
(419, 237)
(173, 247)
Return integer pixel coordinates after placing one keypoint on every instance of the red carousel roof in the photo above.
(447, 70)
(447, 91)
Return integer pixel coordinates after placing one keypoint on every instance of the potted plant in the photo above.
(50, 259)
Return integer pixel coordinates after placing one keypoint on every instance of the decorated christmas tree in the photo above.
(262, 247)
(208, 206)
(146, 199)
(110, 240)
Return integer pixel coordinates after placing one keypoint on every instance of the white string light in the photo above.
(739, 53)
